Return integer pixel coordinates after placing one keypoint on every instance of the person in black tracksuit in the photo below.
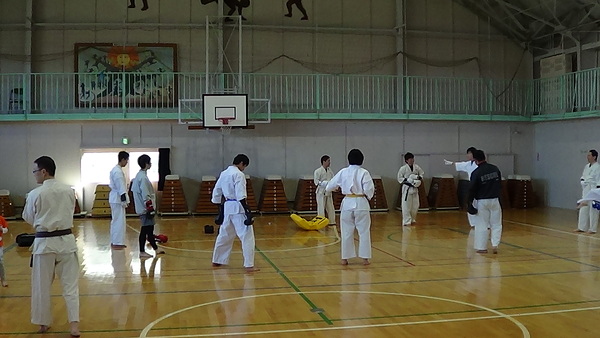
(484, 193)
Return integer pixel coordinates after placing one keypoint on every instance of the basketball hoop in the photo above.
(226, 130)
(225, 127)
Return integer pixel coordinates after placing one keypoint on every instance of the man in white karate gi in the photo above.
(590, 179)
(357, 186)
(484, 201)
(468, 167)
(324, 199)
(49, 209)
(410, 176)
(118, 199)
(235, 217)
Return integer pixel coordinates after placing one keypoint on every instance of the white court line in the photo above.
(499, 314)
(334, 228)
(555, 230)
(383, 325)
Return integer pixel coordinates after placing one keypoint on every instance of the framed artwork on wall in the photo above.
(141, 76)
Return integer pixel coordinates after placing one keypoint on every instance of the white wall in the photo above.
(341, 36)
(560, 155)
(286, 148)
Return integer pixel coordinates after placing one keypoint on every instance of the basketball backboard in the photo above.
(225, 110)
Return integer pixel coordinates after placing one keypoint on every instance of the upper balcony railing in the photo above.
(49, 96)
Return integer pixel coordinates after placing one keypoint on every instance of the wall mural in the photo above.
(132, 4)
(137, 76)
(239, 5)
(298, 4)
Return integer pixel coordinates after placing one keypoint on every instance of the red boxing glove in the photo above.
(149, 207)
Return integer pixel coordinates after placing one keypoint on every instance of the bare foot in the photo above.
(160, 252)
(4, 283)
(366, 261)
(252, 269)
(578, 230)
(495, 250)
(75, 329)
(216, 265)
(481, 251)
(43, 329)
(591, 232)
(344, 262)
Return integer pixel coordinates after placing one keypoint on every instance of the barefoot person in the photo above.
(483, 201)
(144, 197)
(590, 179)
(357, 186)
(235, 216)
(49, 209)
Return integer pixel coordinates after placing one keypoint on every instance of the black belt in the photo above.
(57, 233)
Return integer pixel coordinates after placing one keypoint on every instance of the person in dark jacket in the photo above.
(484, 201)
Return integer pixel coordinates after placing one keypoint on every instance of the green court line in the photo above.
(321, 285)
(318, 321)
(306, 299)
(10, 247)
(536, 251)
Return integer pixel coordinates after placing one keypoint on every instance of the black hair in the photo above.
(355, 157)
(143, 160)
(47, 163)
(471, 150)
(324, 158)
(241, 158)
(408, 156)
(594, 153)
(479, 155)
(123, 155)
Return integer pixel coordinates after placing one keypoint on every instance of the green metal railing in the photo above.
(49, 96)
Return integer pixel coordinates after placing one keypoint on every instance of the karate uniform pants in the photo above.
(588, 218)
(325, 203)
(489, 215)
(234, 225)
(45, 266)
(361, 221)
(410, 207)
(472, 220)
(117, 224)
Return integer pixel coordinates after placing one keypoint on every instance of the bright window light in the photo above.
(96, 166)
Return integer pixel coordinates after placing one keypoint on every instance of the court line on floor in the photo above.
(337, 240)
(352, 318)
(296, 288)
(384, 325)
(498, 314)
(390, 254)
(555, 230)
(536, 251)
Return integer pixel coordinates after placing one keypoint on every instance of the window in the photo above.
(97, 164)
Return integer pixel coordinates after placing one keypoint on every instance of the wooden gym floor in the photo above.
(424, 281)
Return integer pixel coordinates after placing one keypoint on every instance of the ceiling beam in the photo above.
(525, 12)
(476, 8)
(512, 16)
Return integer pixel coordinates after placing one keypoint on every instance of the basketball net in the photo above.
(225, 127)
(226, 130)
